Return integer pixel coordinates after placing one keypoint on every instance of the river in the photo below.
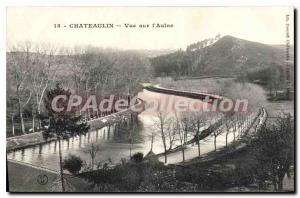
(47, 155)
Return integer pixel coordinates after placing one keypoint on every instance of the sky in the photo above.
(190, 24)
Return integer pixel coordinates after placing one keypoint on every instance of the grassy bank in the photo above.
(24, 178)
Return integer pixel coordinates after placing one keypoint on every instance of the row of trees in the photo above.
(29, 74)
(272, 148)
(179, 130)
(33, 69)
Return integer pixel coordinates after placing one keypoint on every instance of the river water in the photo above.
(47, 155)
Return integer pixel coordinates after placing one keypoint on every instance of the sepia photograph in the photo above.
(150, 99)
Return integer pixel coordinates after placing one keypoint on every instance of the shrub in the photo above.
(137, 157)
(73, 164)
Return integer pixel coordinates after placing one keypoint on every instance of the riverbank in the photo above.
(190, 151)
(33, 139)
(231, 168)
(147, 172)
(45, 157)
(225, 164)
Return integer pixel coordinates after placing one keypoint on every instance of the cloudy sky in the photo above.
(36, 24)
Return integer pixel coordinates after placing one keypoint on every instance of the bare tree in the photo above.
(171, 134)
(186, 125)
(178, 127)
(162, 124)
(228, 125)
(20, 59)
(13, 125)
(240, 119)
(215, 134)
(198, 121)
(92, 151)
(131, 140)
(43, 74)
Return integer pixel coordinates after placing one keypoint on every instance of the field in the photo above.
(229, 87)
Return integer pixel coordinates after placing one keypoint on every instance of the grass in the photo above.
(24, 178)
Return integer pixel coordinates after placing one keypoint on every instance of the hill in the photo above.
(226, 56)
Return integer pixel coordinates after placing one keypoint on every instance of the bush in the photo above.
(137, 157)
(73, 164)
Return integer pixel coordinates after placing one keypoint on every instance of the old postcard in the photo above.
(150, 99)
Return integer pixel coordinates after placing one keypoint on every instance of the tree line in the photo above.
(179, 131)
(34, 69)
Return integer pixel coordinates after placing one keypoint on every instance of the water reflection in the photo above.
(114, 141)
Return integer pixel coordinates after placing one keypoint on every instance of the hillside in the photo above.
(227, 55)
